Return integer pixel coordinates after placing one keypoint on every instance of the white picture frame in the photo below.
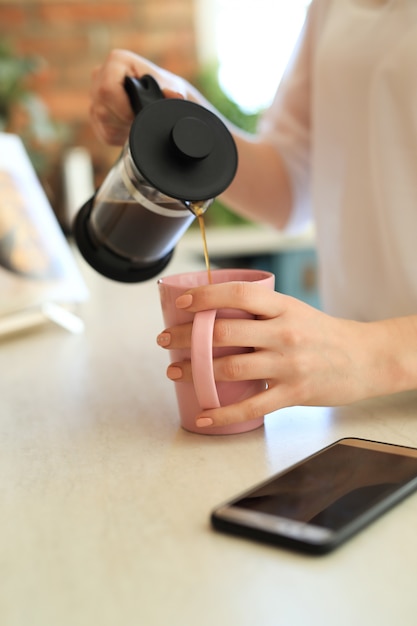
(38, 272)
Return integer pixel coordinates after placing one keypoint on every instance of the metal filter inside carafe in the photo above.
(178, 158)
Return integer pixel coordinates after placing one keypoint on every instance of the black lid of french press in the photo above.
(182, 149)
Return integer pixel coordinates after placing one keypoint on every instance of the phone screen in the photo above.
(322, 500)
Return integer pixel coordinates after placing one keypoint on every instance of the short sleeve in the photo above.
(287, 123)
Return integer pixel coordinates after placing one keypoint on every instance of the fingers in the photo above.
(265, 338)
(227, 333)
(175, 338)
(251, 297)
(110, 111)
(249, 409)
(232, 368)
(170, 93)
(228, 369)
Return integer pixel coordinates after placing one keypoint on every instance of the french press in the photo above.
(179, 156)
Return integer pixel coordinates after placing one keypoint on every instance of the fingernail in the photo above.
(164, 339)
(174, 372)
(201, 422)
(184, 301)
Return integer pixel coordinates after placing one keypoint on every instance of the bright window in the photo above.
(252, 41)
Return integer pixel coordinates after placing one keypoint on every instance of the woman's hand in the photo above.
(306, 356)
(261, 183)
(110, 110)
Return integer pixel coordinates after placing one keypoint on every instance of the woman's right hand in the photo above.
(261, 184)
(110, 110)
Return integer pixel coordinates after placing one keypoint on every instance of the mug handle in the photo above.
(202, 359)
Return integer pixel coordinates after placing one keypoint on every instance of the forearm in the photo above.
(261, 189)
(394, 349)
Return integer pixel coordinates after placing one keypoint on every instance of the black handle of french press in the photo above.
(142, 91)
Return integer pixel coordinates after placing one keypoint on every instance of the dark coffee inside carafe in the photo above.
(177, 158)
(130, 232)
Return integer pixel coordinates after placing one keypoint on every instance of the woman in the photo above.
(339, 142)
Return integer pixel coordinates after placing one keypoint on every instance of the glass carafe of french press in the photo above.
(179, 156)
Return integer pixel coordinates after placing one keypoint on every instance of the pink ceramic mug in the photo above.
(204, 392)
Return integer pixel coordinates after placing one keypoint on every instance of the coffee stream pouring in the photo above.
(178, 157)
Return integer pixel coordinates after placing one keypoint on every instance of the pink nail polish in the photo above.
(184, 301)
(164, 339)
(201, 422)
(174, 372)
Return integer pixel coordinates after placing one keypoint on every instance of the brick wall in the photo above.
(72, 36)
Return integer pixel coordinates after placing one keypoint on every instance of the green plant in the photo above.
(208, 83)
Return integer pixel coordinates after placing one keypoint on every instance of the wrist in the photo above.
(395, 355)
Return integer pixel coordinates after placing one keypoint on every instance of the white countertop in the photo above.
(105, 501)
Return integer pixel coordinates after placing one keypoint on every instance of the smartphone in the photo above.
(318, 503)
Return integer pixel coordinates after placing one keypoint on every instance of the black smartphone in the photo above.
(323, 500)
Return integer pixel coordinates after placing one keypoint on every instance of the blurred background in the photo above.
(234, 51)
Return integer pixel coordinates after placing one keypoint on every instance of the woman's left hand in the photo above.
(305, 356)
